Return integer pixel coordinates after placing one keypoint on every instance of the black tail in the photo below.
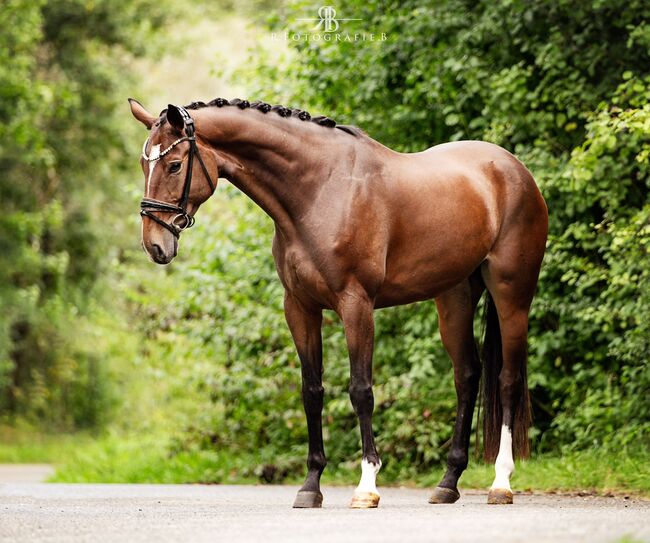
(492, 414)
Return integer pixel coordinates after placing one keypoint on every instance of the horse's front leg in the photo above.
(305, 326)
(357, 315)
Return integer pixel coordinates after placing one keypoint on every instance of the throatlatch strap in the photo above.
(205, 171)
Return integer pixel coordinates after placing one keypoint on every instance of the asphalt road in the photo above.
(61, 512)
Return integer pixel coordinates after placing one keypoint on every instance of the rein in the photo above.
(150, 206)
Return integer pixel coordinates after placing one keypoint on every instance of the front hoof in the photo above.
(444, 495)
(308, 499)
(500, 496)
(364, 500)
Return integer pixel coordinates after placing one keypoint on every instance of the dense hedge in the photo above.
(562, 85)
(224, 327)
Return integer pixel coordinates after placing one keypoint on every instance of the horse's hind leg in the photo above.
(510, 274)
(456, 317)
(305, 328)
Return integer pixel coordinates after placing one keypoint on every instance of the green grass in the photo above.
(28, 446)
(117, 459)
(112, 460)
(591, 471)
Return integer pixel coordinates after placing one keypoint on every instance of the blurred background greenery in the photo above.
(118, 370)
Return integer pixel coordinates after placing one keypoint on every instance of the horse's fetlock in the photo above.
(316, 461)
(458, 459)
(373, 458)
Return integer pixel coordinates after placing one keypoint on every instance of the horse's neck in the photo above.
(277, 162)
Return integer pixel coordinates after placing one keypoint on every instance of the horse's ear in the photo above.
(140, 113)
(175, 118)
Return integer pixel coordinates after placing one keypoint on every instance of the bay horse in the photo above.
(359, 227)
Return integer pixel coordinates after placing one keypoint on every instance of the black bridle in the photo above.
(149, 206)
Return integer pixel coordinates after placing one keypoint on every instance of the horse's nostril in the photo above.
(157, 251)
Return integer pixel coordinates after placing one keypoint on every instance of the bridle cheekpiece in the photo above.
(150, 206)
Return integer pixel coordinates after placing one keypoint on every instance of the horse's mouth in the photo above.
(162, 260)
(158, 255)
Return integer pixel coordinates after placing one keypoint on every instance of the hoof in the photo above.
(500, 496)
(364, 500)
(308, 499)
(444, 495)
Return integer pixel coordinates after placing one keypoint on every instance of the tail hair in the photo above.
(492, 357)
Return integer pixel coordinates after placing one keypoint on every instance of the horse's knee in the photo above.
(312, 398)
(468, 379)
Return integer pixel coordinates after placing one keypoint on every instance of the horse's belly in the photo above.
(443, 227)
(429, 257)
(425, 280)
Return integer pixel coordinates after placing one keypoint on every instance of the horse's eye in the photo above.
(175, 167)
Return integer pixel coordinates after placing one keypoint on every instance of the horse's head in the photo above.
(177, 179)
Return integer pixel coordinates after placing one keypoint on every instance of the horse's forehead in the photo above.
(154, 143)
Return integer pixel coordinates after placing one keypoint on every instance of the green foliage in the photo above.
(60, 157)
(559, 83)
(199, 351)
(510, 71)
(596, 284)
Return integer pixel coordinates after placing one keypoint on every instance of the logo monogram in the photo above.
(327, 20)
(328, 29)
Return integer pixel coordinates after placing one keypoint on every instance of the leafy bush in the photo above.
(60, 158)
(591, 329)
(554, 82)
(200, 350)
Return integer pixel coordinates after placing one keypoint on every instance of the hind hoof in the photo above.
(500, 496)
(308, 499)
(444, 495)
(364, 500)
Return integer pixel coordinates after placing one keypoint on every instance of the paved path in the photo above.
(25, 473)
(134, 513)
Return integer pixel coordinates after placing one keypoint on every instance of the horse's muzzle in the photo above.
(161, 254)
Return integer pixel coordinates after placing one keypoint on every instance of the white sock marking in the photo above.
(504, 465)
(155, 152)
(369, 473)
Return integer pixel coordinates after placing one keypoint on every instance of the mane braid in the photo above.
(282, 111)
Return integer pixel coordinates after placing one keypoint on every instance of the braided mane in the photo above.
(280, 110)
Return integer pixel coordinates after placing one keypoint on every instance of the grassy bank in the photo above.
(25, 446)
(83, 458)
(112, 460)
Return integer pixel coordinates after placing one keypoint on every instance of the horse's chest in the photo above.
(300, 275)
